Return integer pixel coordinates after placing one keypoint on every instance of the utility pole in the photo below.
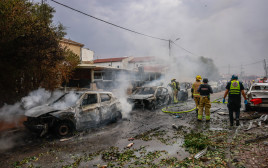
(241, 72)
(169, 47)
(265, 67)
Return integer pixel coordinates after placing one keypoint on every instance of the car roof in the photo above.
(260, 84)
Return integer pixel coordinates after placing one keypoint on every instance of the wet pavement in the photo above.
(153, 137)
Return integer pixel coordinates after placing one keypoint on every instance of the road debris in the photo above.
(223, 113)
(259, 138)
(130, 139)
(130, 145)
(250, 126)
(201, 153)
(65, 139)
(213, 111)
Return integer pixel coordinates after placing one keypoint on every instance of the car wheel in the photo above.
(248, 108)
(63, 128)
(116, 116)
(153, 106)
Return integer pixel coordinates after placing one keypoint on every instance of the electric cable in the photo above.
(183, 48)
(108, 22)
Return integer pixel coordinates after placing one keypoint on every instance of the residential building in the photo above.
(85, 55)
(120, 62)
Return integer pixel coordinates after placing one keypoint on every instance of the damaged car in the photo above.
(75, 110)
(150, 97)
(257, 96)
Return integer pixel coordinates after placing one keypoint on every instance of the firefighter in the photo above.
(195, 93)
(234, 89)
(205, 90)
(175, 89)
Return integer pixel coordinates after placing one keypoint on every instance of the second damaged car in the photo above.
(74, 111)
(150, 97)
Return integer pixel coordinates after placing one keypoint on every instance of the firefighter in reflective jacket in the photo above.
(175, 89)
(234, 89)
(205, 90)
(195, 93)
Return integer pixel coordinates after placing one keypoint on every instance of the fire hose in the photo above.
(165, 109)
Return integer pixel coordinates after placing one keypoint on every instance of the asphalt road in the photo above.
(151, 130)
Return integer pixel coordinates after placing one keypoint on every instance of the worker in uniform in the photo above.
(205, 90)
(234, 89)
(175, 89)
(195, 93)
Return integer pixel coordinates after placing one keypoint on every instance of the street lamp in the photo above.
(169, 44)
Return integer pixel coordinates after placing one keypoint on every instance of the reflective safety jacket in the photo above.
(195, 88)
(234, 88)
(174, 85)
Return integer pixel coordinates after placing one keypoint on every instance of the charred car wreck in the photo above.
(150, 97)
(74, 111)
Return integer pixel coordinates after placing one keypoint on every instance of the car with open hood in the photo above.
(257, 96)
(150, 97)
(74, 110)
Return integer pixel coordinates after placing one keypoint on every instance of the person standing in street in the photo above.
(234, 89)
(205, 90)
(175, 89)
(195, 93)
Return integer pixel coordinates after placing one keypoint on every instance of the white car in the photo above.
(257, 96)
(74, 111)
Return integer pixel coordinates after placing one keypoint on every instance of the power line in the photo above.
(228, 66)
(183, 48)
(108, 22)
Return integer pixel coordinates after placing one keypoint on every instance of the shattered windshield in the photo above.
(261, 88)
(66, 100)
(145, 91)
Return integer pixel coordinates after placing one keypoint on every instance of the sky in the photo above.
(231, 32)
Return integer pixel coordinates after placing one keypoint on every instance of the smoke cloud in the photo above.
(229, 32)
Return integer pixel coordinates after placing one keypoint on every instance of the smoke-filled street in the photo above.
(114, 84)
(144, 139)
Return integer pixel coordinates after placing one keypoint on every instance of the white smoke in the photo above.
(35, 98)
(67, 101)
(10, 113)
(121, 93)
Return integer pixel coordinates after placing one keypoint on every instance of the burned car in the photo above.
(75, 110)
(257, 96)
(150, 97)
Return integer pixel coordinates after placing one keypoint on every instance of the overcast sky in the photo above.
(231, 32)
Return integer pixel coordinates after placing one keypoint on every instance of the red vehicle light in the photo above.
(256, 101)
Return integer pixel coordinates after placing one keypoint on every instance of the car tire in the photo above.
(153, 106)
(247, 108)
(64, 128)
(116, 117)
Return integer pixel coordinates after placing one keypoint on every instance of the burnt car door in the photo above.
(107, 107)
(89, 113)
(162, 96)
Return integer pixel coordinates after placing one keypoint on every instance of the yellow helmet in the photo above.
(198, 77)
(173, 79)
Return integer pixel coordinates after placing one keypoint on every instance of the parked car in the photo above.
(257, 96)
(74, 111)
(150, 97)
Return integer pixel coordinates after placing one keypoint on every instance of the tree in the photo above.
(30, 53)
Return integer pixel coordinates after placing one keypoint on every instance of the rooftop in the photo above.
(64, 40)
(119, 59)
